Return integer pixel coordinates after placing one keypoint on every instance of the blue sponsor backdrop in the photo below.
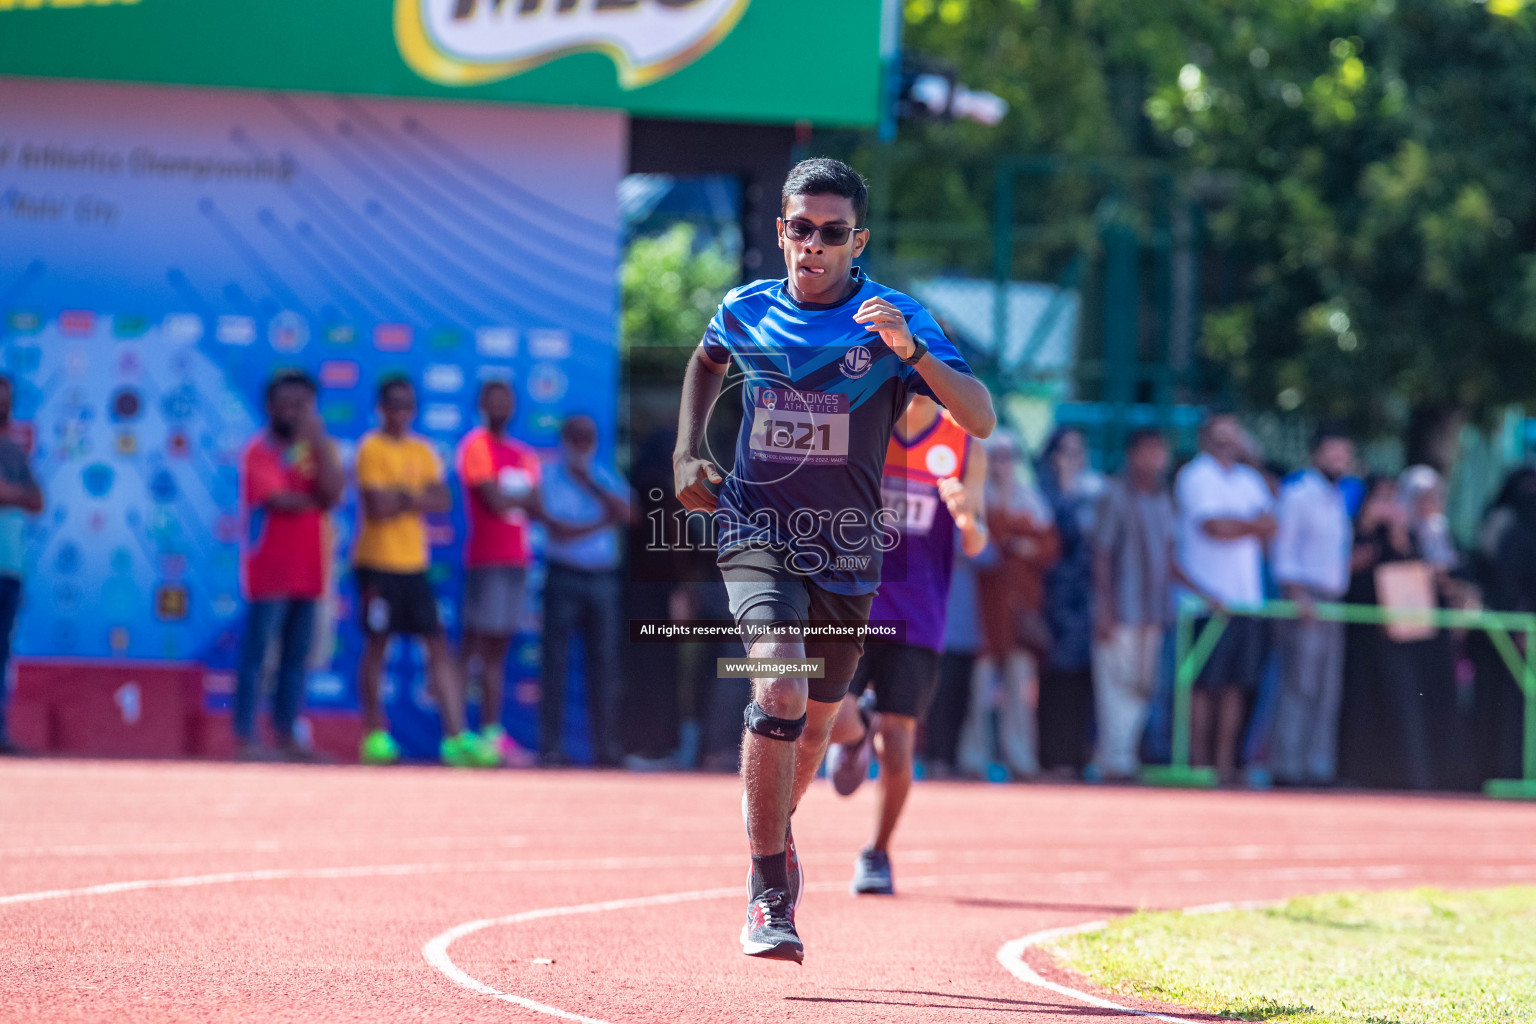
(165, 250)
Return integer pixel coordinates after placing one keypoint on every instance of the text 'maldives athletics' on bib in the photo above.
(819, 397)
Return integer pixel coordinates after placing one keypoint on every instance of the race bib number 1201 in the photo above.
(807, 427)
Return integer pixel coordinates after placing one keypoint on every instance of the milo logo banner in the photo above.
(467, 41)
(726, 60)
(166, 250)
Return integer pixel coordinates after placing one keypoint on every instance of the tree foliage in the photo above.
(671, 287)
(1367, 163)
(1384, 217)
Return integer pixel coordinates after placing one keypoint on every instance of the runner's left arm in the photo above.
(966, 398)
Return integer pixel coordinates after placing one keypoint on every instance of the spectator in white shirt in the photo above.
(1311, 561)
(1225, 521)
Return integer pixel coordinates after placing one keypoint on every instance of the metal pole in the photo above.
(1191, 654)
(1528, 688)
(1183, 684)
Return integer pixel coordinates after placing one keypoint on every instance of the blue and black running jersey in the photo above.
(820, 395)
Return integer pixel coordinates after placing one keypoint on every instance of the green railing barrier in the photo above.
(1191, 653)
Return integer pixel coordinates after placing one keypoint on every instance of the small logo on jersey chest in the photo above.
(941, 460)
(770, 399)
(857, 362)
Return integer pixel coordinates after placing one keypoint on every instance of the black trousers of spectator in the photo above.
(718, 704)
(588, 603)
(1066, 718)
(946, 715)
(1498, 713)
(652, 702)
(1397, 709)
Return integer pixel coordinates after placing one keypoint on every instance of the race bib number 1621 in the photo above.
(807, 427)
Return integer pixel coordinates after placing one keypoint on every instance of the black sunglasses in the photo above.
(798, 230)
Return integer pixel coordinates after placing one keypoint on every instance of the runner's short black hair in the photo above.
(1141, 435)
(291, 378)
(392, 381)
(822, 176)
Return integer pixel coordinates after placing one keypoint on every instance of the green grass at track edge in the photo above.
(1425, 956)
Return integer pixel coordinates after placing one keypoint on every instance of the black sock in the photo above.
(770, 872)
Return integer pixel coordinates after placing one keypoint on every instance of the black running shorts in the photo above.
(392, 602)
(904, 677)
(1237, 661)
(764, 591)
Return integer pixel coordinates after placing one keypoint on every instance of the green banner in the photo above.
(734, 60)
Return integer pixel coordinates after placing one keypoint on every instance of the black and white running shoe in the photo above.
(792, 858)
(872, 874)
(848, 763)
(770, 929)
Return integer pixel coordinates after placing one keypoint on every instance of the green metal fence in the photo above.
(1192, 651)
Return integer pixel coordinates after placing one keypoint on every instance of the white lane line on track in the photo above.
(1071, 855)
(435, 951)
(1038, 854)
(261, 846)
(1011, 956)
(437, 868)
(1319, 874)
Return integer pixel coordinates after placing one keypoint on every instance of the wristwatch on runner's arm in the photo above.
(918, 351)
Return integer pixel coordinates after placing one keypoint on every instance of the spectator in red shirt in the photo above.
(501, 478)
(290, 476)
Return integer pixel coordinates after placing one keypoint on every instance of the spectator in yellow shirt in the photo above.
(401, 480)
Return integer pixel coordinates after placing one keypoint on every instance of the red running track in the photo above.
(212, 892)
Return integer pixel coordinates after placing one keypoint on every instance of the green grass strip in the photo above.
(1420, 957)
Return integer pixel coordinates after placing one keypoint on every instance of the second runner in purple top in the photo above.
(915, 585)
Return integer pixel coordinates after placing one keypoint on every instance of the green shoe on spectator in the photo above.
(379, 747)
(467, 750)
(495, 737)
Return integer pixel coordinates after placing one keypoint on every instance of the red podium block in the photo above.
(334, 734)
(106, 708)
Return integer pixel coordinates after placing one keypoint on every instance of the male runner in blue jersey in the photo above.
(935, 479)
(829, 359)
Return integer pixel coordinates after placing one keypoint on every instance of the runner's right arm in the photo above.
(691, 474)
(966, 499)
